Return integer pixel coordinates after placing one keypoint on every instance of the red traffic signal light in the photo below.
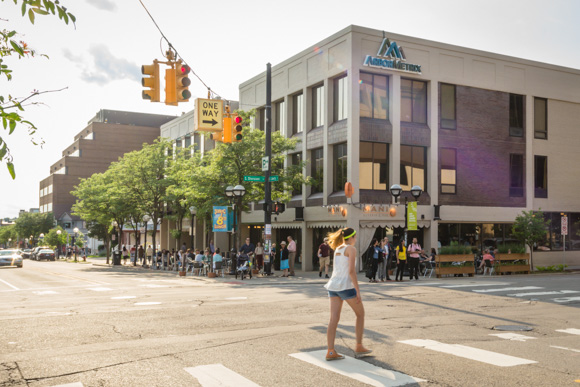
(182, 82)
(278, 207)
(237, 129)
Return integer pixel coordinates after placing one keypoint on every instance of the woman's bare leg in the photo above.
(335, 309)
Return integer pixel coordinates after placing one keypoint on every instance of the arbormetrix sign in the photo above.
(393, 57)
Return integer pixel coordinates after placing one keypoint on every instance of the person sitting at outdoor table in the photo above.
(198, 258)
(486, 257)
(217, 257)
(207, 259)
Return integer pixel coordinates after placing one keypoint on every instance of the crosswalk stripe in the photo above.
(147, 303)
(566, 299)
(12, 286)
(506, 289)
(543, 293)
(567, 349)
(358, 370)
(44, 292)
(512, 336)
(77, 384)
(572, 331)
(481, 355)
(473, 285)
(100, 289)
(217, 375)
(123, 297)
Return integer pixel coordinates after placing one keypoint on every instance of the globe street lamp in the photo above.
(396, 190)
(76, 230)
(58, 232)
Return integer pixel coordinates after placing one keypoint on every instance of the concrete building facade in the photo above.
(485, 136)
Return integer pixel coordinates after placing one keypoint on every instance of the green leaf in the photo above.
(3, 151)
(4, 122)
(31, 15)
(10, 167)
(17, 48)
(23, 8)
(40, 11)
(12, 127)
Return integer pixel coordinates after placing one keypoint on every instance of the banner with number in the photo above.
(412, 216)
(220, 217)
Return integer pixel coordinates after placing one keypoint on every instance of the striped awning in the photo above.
(286, 224)
(327, 224)
(391, 223)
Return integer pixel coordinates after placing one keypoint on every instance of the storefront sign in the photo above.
(391, 56)
(412, 216)
(221, 219)
(564, 225)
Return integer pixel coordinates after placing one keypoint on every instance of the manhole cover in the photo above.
(512, 328)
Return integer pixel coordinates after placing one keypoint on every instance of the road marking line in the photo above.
(474, 285)
(358, 370)
(427, 283)
(217, 375)
(236, 298)
(77, 384)
(567, 349)
(12, 286)
(507, 289)
(543, 293)
(572, 331)
(44, 292)
(471, 353)
(154, 286)
(100, 289)
(147, 303)
(567, 299)
(512, 336)
(123, 297)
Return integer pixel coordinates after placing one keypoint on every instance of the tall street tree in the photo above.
(530, 228)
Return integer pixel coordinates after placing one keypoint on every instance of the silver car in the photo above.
(11, 258)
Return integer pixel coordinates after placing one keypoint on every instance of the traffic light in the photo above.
(182, 82)
(151, 82)
(227, 131)
(278, 207)
(217, 136)
(170, 87)
(237, 128)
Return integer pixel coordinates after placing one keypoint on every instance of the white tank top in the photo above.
(340, 279)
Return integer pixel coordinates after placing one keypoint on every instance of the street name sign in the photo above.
(208, 115)
(261, 179)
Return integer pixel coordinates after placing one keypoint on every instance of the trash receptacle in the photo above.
(116, 258)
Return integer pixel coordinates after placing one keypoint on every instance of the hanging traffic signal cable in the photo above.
(171, 47)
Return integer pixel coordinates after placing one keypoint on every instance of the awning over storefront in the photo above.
(391, 223)
(286, 225)
(327, 224)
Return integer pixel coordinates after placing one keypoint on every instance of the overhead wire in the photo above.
(177, 55)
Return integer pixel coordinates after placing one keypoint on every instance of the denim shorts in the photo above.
(343, 294)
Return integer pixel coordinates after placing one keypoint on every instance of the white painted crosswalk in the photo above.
(572, 331)
(506, 289)
(217, 375)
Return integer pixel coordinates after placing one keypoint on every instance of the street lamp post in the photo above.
(396, 191)
(192, 211)
(58, 232)
(146, 220)
(235, 195)
(76, 230)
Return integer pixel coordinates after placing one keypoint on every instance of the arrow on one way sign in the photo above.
(212, 122)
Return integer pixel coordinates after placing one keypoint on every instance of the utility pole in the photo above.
(268, 187)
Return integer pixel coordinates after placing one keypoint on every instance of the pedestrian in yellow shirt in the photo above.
(401, 259)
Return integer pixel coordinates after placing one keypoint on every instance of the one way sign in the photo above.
(208, 115)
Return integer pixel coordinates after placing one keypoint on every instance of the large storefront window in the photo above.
(374, 96)
(413, 167)
(478, 236)
(374, 166)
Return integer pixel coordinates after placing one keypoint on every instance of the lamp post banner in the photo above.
(220, 219)
(412, 216)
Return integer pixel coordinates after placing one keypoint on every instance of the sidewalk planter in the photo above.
(512, 263)
(182, 273)
(211, 274)
(443, 266)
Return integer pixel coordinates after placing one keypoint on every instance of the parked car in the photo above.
(45, 254)
(11, 258)
(26, 253)
(33, 254)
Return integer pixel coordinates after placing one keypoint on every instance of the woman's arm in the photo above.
(350, 252)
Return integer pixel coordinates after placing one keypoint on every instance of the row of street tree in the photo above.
(162, 182)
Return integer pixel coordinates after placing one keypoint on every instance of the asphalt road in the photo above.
(91, 325)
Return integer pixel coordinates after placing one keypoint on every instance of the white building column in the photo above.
(395, 114)
(431, 236)
(529, 171)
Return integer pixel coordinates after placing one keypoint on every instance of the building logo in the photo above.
(394, 58)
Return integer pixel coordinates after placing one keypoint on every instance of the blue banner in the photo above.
(221, 219)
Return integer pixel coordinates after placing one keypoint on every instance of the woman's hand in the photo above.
(358, 298)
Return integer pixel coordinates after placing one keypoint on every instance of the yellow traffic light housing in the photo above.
(217, 136)
(170, 87)
(151, 82)
(182, 82)
(237, 128)
(227, 130)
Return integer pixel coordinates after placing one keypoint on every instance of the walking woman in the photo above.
(343, 286)
(401, 259)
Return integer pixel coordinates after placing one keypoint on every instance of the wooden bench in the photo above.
(468, 269)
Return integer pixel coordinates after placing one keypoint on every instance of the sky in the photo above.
(97, 65)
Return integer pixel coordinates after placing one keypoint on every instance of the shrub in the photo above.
(515, 248)
(455, 249)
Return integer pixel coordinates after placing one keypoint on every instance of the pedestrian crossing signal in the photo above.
(278, 207)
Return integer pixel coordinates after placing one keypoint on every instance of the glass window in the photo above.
(317, 106)
(516, 175)
(49, 207)
(448, 119)
(296, 159)
(574, 231)
(516, 115)
(413, 167)
(340, 167)
(541, 118)
(374, 98)
(540, 176)
(280, 117)
(187, 140)
(448, 170)
(50, 189)
(297, 114)
(317, 170)
(340, 99)
(413, 101)
(373, 166)
(178, 143)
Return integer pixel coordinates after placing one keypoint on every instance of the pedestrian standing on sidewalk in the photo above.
(401, 260)
(291, 254)
(141, 253)
(343, 286)
(134, 255)
(284, 254)
(125, 255)
(149, 255)
(389, 252)
(259, 253)
(414, 258)
(376, 252)
(383, 259)
(324, 257)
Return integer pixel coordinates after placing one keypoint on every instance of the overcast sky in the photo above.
(226, 43)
